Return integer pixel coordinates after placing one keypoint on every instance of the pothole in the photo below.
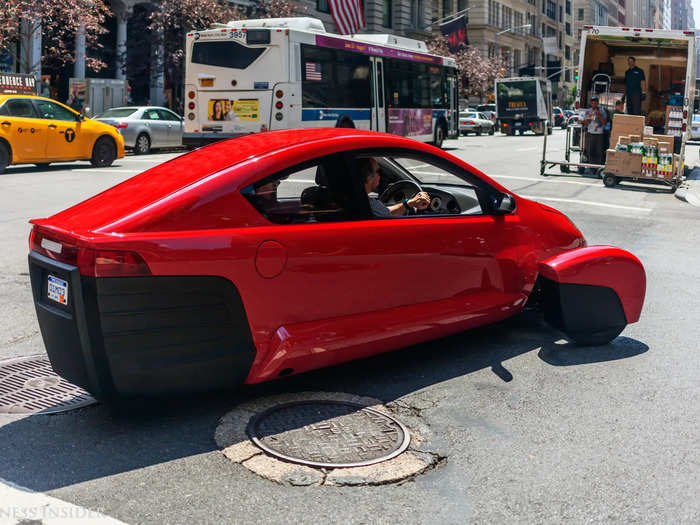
(28, 385)
(323, 438)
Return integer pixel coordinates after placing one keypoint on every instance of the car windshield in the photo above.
(117, 113)
(428, 174)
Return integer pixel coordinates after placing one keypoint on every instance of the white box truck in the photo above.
(667, 58)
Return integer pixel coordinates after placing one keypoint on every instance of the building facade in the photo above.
(682, 16)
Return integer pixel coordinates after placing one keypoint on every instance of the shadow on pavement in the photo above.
(45, 452)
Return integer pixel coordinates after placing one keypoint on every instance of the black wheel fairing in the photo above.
(587, 314)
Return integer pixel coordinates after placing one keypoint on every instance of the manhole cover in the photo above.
(329, 434)
(29, 385)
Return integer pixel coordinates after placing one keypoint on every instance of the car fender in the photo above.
(601, 266)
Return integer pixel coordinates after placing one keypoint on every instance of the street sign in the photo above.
(17, 84)
(550, 45)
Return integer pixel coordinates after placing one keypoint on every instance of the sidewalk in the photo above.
(689, 190)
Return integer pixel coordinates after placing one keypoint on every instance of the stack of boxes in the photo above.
(639, 153)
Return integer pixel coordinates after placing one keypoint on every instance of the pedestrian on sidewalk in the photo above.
(595, 120)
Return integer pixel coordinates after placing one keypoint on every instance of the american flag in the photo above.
(347, 15)
(313, 71)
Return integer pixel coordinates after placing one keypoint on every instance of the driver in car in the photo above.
(369, 173)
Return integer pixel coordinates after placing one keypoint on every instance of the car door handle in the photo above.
(52, 126)
(6, 123)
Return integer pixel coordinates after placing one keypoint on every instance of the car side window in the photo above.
(449, 194)
(21, 107)
(151, 114)
(303, 195)
(168, 115)
(52, 111)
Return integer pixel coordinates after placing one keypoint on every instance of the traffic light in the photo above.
(576, 75)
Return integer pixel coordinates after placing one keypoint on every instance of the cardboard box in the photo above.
(666, 140)
(635, 138)
(626, 125)
(613, 161)
(648, 130)
(623, 140)
(623, 163)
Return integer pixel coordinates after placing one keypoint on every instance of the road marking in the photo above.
(527, 149)
(589, 203)
(103, 170)
(543, 179)
(20, 505)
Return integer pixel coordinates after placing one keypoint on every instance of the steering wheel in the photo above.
(398, 191)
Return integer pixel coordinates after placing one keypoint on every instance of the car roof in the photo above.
(206, 169)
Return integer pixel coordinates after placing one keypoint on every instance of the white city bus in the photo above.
(256, 75)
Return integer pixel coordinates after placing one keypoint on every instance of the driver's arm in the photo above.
(419, 201)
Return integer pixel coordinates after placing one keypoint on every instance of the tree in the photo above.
(477, 72)
(57, 21)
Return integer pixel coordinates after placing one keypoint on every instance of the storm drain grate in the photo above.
(330, 434)
(29, 385)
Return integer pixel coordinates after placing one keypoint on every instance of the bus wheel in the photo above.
(345, 122)
(439, 136)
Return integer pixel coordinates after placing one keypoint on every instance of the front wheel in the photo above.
(492, 130)
(610, 180)
(598, 338)
(103, 152)
(439, 136)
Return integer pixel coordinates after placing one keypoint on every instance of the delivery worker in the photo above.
(595, 120)
(635, 88)
(619, 108)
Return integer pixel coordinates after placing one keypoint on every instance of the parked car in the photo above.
(38, 130)
(475, 122)
(489, 110)
(145, 127)
(695, 128)
(559, 119)
(262, 256)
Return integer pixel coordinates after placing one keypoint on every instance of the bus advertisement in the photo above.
(256, 75)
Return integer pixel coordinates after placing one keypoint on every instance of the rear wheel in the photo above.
(4, 157)
(143, 144)
(478, 131)
(492, 130)
(610, 180)
(103, 152)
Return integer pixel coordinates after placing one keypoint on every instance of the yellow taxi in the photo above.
(38, 130)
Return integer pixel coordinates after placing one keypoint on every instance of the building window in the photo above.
(568, 28)
(322, 5)
(567, 53)
(494, 13)
(601, 15)
(462, 5)
(561, 13)
(507, 19)
(446, 7)
(568, 6)
(551, 10)
(621, 18)
(580, 14)
(417, 14)
(386, 13)
(560, 40)
(516, 59)
(518, 22)
(567, 75)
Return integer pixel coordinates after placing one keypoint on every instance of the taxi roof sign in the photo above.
(17, 84)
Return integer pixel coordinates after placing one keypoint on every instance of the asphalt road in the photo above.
(532, 429)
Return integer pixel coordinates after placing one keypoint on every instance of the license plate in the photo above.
(58, 290)
(518, 124)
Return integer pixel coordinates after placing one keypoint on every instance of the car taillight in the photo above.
(90, 262)
(111, 263)
(120, 125)
(470, 122)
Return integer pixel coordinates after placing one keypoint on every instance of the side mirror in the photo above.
(503, 204)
